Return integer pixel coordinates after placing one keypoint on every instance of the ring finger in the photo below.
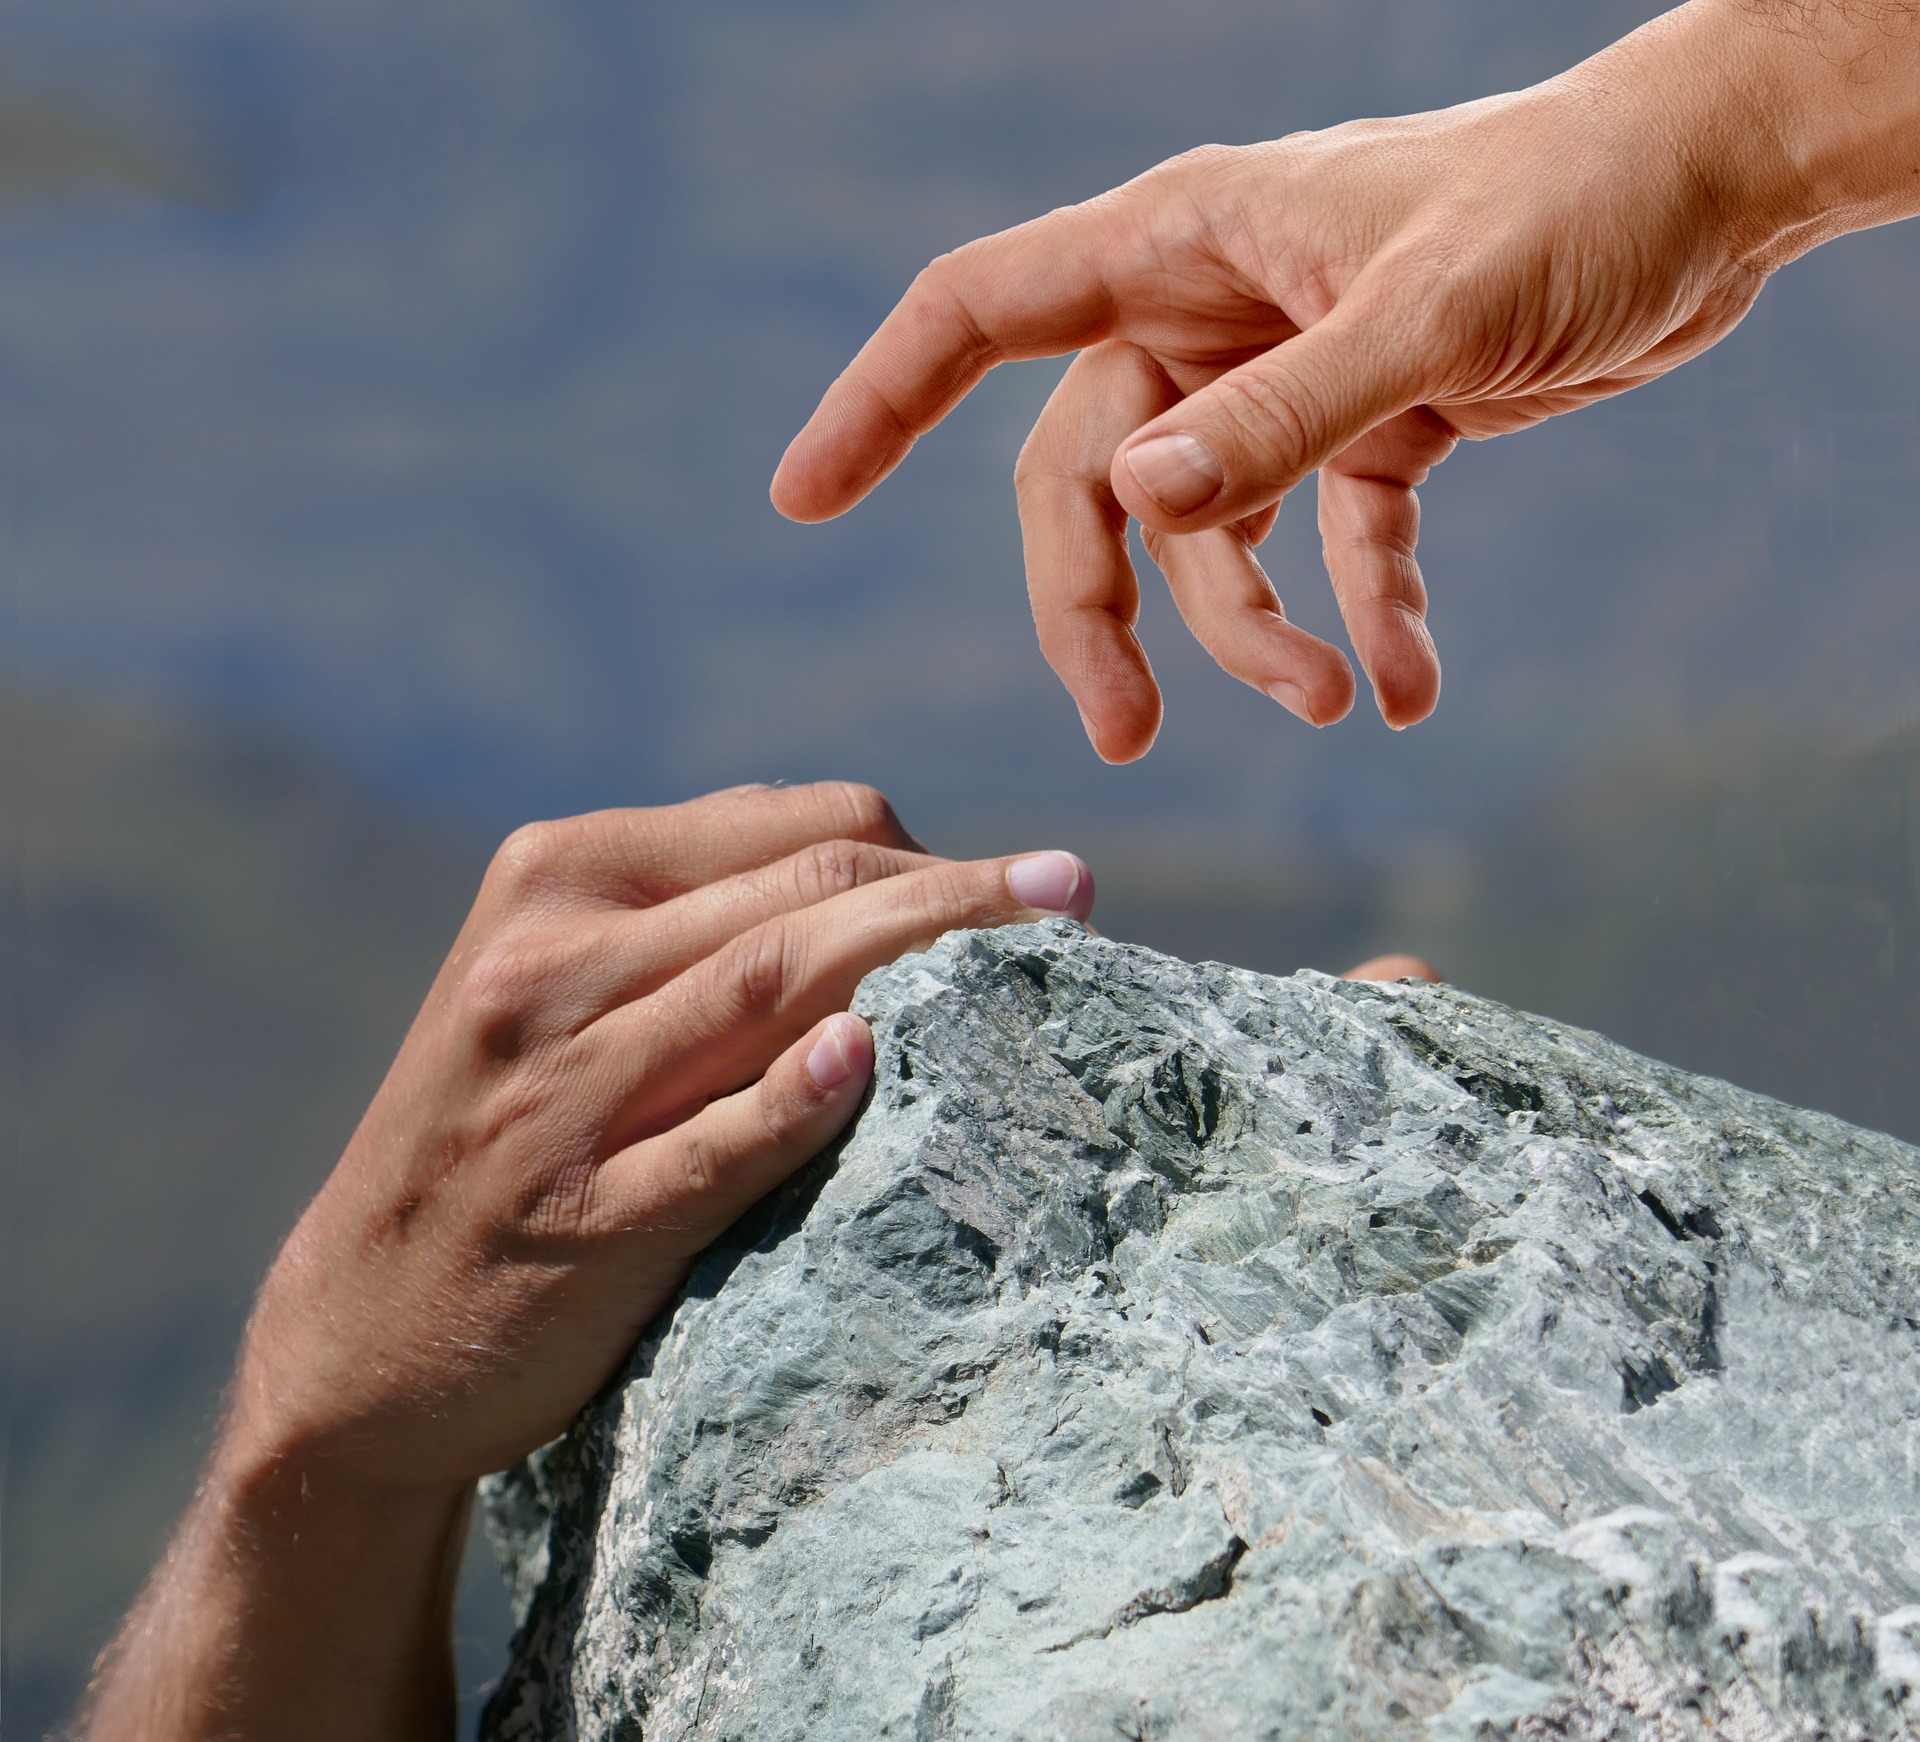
(1225, 598)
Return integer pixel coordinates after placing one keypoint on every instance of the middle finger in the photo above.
(1080, 579)
(1225, 598)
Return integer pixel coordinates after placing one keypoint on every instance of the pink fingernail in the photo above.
(1052, 883)
(1178, 471)
(840, 1054)
(1294, 699)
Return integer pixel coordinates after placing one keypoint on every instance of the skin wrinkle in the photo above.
(982, 352)
(901, 425)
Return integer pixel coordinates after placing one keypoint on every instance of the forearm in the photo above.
(290, 1605)
(1801, 116)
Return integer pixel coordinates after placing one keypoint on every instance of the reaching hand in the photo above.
(1352, 303)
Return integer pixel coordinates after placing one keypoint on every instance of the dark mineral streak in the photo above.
(1174, 1352)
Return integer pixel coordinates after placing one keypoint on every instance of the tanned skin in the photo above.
(1352, 303)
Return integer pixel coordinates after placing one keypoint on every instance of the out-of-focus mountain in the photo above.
(54, 146)
(223, 940)
(450, 450)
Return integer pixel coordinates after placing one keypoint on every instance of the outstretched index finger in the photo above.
(1036, 290)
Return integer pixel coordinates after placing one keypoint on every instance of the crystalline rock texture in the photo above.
(1174, 1352)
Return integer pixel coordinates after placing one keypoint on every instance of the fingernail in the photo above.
(1052, 882)
(837, 1056)
(1294, 699)
(1178, 471)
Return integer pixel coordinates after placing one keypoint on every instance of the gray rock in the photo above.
(1176, 1352)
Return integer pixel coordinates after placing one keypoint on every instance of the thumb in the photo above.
(1242, 442)
(681, 1188)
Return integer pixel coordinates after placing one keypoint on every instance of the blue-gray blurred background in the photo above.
(388, 392)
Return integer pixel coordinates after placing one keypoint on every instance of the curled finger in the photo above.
(1225, 598)
(1080, 577)
(1369, 529)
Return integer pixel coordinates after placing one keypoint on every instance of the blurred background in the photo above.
(388, 393)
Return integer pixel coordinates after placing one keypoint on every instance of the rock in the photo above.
(1175, 1352)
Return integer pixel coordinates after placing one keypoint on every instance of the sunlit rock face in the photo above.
(1174, 1352)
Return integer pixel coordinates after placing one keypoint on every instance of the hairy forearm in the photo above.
(290, 1605)
(1804, 115)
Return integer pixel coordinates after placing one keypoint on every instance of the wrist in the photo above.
(296, 1600)
(1800, 119)
(291, 1506)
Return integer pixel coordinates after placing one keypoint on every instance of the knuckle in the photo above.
(831, 868)
(936, 277)
(533, 855)
(556, 1210)
(764, 965)
(1092, 649)
(777, 1117)
(1201, 160)
(1274, 417)
(947, 283)
(859, 813)
(1402, 588)
(943, 275)
(937, 286)
(701, 1166)
(509, 982)
(708, 1154)
(1064, 451)
(696, 812)
(1034, 464)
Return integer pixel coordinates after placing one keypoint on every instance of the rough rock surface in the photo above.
(1176, 1352)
